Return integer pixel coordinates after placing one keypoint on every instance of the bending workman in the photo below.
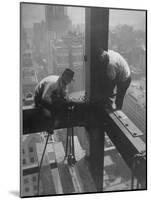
(52, 90)
(117, 74)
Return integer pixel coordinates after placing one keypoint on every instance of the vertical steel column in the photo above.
(97, 21)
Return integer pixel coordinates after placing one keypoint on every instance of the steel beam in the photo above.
(94, 119)
(34, 120)
(97, 22)
(31, 169)
(128, 144)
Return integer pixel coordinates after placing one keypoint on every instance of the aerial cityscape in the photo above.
(52, 39)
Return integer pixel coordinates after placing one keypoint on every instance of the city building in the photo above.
(29, 158)
(39, 40)
(57, 20)
(60, 56)
(57, 25)
(29, 80)
(106, 168)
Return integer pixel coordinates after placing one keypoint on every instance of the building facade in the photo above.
(29, 158)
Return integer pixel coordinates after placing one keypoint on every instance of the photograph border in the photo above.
(20, 95)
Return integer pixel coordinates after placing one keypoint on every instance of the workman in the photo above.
(118, 76)
(52, 90)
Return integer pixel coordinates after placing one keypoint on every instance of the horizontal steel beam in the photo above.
(128, 145)
(34, 119)
(31, 169)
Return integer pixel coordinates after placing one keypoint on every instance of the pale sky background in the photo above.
(134, 18)
(35, 13)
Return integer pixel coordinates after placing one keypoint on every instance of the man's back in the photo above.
(49, 82)
(49, 79)
(117, 67)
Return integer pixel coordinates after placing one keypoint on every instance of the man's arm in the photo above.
(47, 93)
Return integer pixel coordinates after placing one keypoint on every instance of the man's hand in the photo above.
(58, 98)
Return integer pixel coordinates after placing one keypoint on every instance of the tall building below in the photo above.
(29, 158)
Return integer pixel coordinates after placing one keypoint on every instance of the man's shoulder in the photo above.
(119, 64)
(114, 58)
(49, 79)
(117, 58)
(114, 54)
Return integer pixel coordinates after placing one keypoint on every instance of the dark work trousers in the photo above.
(122, 87)
(110, 92)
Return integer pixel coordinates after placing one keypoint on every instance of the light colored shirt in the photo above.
(117, 67)
(47, 86)
(51, 85)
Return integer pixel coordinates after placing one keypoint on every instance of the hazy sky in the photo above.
(35, 13)
(134, 18)
(32, 13)
(77, 14)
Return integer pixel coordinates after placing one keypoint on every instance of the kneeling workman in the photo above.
(118, 74)
(52, 90)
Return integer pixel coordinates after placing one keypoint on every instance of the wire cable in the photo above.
(41, 161)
